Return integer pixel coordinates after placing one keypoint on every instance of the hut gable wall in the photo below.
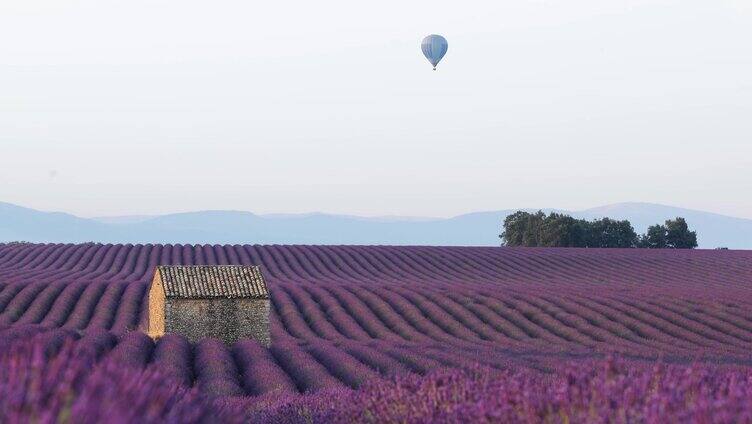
(227, 319)
(156, 321)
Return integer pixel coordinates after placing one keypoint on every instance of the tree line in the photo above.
(558, 230)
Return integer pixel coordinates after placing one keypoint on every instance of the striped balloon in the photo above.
(434, 48)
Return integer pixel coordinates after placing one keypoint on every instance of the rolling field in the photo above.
(344, 315)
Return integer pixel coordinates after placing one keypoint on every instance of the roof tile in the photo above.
(214, 281)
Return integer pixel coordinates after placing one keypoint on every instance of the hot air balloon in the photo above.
(434, 48)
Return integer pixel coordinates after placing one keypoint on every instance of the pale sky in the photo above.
(116, 107)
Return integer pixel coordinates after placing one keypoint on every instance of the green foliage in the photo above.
(537, 229)
(678, 235)
(608, 232)
(524, 229)
(560, 230)
(673, 234)
(655, 238)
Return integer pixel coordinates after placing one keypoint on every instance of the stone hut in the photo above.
(228, 302)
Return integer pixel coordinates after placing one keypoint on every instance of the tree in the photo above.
(607, 232)
(526, 229)
(522, 229)
(531, 237)
(561, 230)
(514, 229)
(514, 226)
(673, 234)
(678, 235)
(655, 238)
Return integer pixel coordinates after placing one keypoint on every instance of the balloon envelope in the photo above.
(434, 48)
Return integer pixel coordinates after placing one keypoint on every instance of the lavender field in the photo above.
(344, 317)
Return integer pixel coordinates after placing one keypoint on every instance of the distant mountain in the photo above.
(18, 223)
(473, 229)
(125, 219)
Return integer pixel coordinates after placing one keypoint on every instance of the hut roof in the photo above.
(215, 281)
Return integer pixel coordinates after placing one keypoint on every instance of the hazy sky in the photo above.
(129, 107)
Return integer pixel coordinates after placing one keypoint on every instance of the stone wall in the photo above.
(156, 321)
(227, 319)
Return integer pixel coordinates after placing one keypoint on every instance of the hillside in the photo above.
(236, 227)
(346, 314)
